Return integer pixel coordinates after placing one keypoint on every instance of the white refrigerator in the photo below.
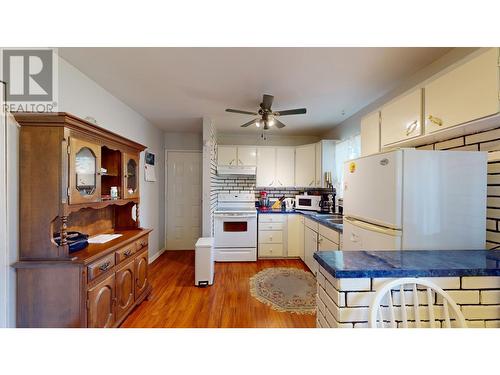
(415, 200)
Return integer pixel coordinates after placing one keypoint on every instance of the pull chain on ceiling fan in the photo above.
(267, 117)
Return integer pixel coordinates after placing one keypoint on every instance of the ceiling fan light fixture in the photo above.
(257, 123)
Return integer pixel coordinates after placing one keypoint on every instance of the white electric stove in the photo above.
(235, 228)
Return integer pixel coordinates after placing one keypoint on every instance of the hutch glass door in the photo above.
(85, 167)
(131, 176)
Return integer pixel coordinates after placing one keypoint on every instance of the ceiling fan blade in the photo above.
(278, 124)
(298, 111)
(249, 123)
(242, 112)
(267, 101)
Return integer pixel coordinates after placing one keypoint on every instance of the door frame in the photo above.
(4, 263)
(166, 185)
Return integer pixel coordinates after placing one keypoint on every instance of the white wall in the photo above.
(81, 96)
(184, 140)
(255, 138)
(351, 126)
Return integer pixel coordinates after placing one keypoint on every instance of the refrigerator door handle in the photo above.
(373, 228)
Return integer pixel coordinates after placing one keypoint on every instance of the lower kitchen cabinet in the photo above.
(101, 304)
(295, 236)
(310, 247)
(125, 288)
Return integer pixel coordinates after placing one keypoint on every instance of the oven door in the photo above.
(235, 230)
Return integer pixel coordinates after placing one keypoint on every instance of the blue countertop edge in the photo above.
(409, 263)
(313, 215)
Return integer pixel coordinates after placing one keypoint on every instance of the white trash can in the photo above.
(204, 262)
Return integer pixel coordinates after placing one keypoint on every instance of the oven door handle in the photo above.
(234, 216)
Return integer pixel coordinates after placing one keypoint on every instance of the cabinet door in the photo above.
(310, 247)
(124, 288)
(466, 93)
(130, 176)
(324, 244)
(318, 162)
(226, 155)
(401, 119)
(370, 134)
(295, 236)
(101, 304)
(247, 156)
(141, 273)
(84, 171)
(305, 166)
(285, 167)
(266, 166)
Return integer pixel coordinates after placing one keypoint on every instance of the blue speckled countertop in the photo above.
(313, 215)
(410, 263)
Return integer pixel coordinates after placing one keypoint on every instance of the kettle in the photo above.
(289, 203)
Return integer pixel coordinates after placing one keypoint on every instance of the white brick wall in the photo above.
(344, 303)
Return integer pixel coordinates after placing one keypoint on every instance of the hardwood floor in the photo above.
(176, 302)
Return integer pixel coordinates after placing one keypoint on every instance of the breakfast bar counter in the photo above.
(348, 280)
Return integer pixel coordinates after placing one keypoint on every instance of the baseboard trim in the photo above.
(157, 255)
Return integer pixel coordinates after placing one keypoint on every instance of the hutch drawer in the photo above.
(125, 253)
(141, 243)
(100, 266)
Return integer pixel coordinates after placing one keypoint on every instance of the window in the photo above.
(345, 150)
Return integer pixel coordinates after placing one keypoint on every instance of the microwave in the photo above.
(308, 202)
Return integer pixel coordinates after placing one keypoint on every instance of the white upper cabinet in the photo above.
(401, 119)
(370, 134)
(266, 167)
(226, 155)
(305, 166)
(325, 162)
(285, 167)
(466, 93)
(247, 156)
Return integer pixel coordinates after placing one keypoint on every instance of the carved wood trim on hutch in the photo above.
(56, 288)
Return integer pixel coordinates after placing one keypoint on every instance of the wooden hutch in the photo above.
(67, 168)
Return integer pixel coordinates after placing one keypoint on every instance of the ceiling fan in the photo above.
(268, 117)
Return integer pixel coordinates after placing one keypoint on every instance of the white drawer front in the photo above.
(270, 236)
(270, 226)
(271, 218)
(311, 224)
(270, 250)
(330, 234)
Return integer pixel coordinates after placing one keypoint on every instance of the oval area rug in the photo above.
(285, 289)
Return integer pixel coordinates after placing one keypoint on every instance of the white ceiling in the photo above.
(175, 87)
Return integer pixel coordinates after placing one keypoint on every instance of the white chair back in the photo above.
(414, 302)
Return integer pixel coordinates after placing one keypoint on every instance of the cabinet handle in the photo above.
(435, 120)
(105, 266)
(127, 253)
(410, 128)
(280, 182)
(239, 161)
(272, 182)
(312, 182)
(231, 162)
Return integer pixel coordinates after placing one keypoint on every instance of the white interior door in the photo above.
(3, 215)
(183, 199)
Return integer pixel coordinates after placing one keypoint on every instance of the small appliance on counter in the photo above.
(327, 202)
(289, 204)
(308, 202)
(264, 201)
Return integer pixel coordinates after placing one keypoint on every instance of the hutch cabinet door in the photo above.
(141, 273)
(101, 304)
(84, 172)
(130, 176)
(124, 288)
